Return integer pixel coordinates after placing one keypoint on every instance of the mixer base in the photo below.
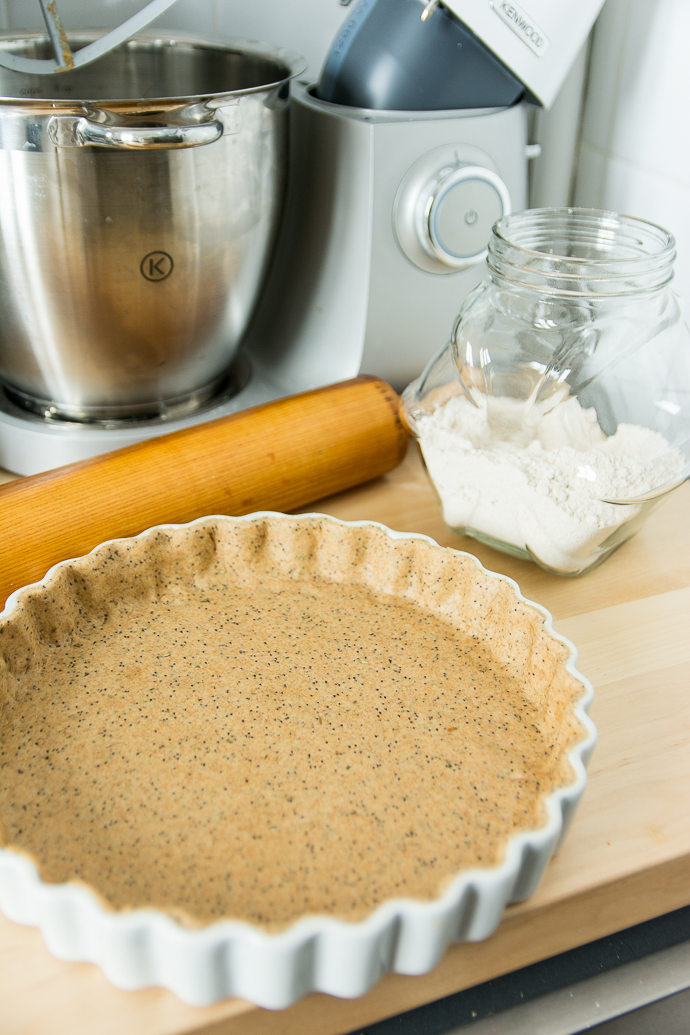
(31, 444)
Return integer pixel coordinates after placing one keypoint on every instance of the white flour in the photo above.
(540, 488)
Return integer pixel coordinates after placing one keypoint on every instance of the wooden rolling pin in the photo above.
(278, 456)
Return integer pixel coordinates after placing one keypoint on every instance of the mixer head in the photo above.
(65, 60)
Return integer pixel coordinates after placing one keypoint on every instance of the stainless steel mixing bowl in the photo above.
(139, 201)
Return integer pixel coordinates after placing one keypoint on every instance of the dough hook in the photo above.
(65, 60)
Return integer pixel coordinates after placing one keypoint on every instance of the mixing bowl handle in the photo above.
(75, 131)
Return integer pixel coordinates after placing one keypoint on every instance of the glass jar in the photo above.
(557, 415)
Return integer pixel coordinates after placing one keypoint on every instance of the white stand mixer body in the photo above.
(356, 285)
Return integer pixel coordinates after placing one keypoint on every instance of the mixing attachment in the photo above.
(65, 59)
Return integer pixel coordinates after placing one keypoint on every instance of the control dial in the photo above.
(444, 212)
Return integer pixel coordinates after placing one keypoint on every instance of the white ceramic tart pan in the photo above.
(202, 964)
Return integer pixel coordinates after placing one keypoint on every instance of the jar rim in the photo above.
(581, 250)
(593, 219)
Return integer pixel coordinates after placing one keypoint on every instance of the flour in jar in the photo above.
(540, 487)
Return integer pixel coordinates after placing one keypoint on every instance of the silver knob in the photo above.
(443, 214)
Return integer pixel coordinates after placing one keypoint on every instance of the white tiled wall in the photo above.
(635, 148)
(306, 28)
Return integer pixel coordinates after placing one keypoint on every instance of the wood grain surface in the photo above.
(627, 857)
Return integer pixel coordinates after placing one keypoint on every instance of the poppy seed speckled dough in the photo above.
(278, 717)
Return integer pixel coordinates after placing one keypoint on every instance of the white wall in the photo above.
(306, 28)
(635, 148)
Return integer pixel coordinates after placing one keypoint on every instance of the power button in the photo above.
(465, 205)
(444, 210)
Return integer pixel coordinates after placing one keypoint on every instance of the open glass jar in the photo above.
(558, 413)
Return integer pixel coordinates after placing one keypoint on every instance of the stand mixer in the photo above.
(383, 231)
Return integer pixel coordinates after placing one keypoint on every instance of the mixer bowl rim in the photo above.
(293, 65)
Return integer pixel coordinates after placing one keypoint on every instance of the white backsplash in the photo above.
(635, 147)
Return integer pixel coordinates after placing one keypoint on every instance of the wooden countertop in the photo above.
(627, 858)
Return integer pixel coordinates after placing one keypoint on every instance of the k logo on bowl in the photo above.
(156, 266)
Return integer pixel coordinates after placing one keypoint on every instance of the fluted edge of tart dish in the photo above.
(144, 947)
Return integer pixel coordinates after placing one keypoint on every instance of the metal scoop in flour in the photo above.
(65, 60)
